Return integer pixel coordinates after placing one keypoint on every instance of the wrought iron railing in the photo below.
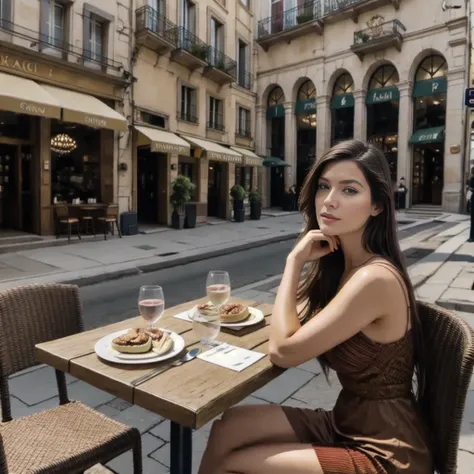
(290, 18)
(244, 132)
(191, 43)
(217, 123)
(45, 43)
(330, 6)
(189, 115)
(379, 31)
(222, 62)
(149, 19)
(245, 79)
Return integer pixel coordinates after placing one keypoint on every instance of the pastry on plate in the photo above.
(161, 341)
(133, 342)
(234, 313)
(207, 309)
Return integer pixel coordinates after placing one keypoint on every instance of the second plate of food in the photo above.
(248, 316)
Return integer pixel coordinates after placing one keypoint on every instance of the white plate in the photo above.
(255, 317)
(104, 350)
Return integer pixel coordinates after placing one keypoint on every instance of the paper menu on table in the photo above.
(231, 357)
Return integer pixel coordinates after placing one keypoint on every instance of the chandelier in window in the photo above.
(63, 144)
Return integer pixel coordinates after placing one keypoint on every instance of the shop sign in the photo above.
(342, 101)
(305, 107)
(384, 94)
(439, 85)
(170, 148)
(34, 109)
(23, 65)
(276, 111)
(213, 155)
(92, 121)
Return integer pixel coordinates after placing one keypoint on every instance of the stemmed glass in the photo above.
(218, 287)
(151, 303)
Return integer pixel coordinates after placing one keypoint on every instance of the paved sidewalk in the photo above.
(304, 386)
(91, 262)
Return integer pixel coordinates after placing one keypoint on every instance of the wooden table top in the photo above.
(191, 394)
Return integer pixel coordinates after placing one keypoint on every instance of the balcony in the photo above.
(337, 10)
(378, 36)
(244, 79)
(191, 52)
(220, 68)
(57, 48)
(290, 24)
(155, 31)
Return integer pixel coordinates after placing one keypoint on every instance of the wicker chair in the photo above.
(449, 349)
(3, 459)
(63, 218)
(109, 219)
(71, 437)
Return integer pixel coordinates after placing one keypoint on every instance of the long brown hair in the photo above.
(379, 237)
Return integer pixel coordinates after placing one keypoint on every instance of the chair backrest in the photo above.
(3, 458)
(449, 352)
(62, 211)
(33, 314)
(112, 210)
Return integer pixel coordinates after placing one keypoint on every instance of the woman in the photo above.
(360, 316)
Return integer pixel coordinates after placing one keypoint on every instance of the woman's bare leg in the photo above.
(287, 458)
(242, 426)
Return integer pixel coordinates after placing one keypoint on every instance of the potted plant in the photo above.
(200, 51)
(238, 195)
(303, 18)
(182, 189)
(255, 199)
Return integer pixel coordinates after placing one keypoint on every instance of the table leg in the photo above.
(181, 446)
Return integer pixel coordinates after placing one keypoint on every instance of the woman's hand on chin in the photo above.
(313, 246)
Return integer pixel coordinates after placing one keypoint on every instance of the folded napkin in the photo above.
(231, 357)
(184, 315)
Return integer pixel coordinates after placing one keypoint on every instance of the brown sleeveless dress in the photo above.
(375, 425)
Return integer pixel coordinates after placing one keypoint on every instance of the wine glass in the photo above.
(218, 287)
(151, 303)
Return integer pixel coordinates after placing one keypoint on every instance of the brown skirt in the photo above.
(314, 427)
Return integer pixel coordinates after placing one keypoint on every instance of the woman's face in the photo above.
(343, 199)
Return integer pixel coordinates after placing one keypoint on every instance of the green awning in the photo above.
(438, 85)
(273, 161)
(427, 135)
(305, 107)
(342, 101)
(383, 94)
(275, 111)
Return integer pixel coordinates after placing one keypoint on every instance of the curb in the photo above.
(153, 267)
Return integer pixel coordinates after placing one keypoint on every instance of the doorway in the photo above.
(148, 184)
(214, 198)
(428, 174)
(277, 191)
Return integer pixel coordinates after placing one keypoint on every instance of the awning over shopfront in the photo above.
(24, 96)
(214, 151)
(273, 161)
(428, 135)
(250, 158)
(162, 141)
(87, 110)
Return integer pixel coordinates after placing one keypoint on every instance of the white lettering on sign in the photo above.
(428, 136)
(18, 65)
(310, 106)
(95, 121)
(169, 148)
(343, 101)
(434, 86)
(32, 108)
(382, 96)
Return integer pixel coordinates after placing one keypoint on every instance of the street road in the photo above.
(115, 300)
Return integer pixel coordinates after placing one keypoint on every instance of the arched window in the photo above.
(384, 76)
(431, 67)
(306, 91)
(276, 96)
(343, 85)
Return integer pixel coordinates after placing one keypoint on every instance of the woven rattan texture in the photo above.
(449, 355)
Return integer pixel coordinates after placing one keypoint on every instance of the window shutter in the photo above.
(6, 15)
(45, 15)
(86, 34)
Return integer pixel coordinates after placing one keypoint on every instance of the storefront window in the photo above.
(15, 125)
(243, 176)
(75, 162)
(342, 107)
(382, 113)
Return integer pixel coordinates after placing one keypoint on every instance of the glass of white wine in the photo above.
(218, 287)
